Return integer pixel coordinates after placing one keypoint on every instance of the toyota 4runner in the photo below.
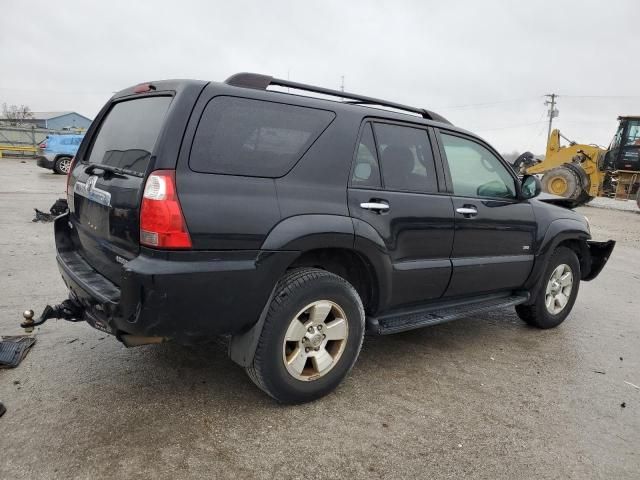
(293, 219)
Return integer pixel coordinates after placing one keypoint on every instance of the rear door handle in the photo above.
(376, 206)
(467, 211)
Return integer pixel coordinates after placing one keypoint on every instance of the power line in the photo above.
(599, 96)
(508, 126)
(489, 104)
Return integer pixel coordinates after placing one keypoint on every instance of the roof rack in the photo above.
(261, 82)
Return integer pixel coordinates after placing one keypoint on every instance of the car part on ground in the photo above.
(58, 208)
(13, 349)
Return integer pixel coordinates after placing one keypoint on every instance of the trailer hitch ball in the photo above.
(28, 321)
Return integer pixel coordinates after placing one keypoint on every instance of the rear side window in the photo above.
(129, 132)
(240, 136)
(366, 172)
(406, 158)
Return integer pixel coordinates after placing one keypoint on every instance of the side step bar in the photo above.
(443, 312)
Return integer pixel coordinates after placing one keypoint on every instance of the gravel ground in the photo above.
(483, 397)
(613, 204)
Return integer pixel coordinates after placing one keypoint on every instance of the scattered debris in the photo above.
(16, 382)
(72, 340)
(598, 371)
(634, 386)
(2, 409)
(623, 405)
(620, 358)
(58, 208)
(14, 349)
(385, 425)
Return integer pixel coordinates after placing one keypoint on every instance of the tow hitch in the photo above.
(68, 310)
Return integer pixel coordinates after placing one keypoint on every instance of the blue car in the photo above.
(57, 151)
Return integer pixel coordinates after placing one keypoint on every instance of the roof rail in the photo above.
(261, 82)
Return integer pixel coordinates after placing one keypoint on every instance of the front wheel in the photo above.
(558, 294)
(311, 337)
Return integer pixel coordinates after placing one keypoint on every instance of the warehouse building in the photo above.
(59, 120)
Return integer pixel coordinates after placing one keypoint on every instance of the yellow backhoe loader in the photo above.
(581, 172)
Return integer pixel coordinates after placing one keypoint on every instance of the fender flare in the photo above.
(558, 231)
(303, 233)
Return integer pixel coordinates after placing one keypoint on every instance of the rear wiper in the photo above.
(108, 168)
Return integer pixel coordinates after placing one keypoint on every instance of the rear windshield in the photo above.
(239, 136)
(129, 132)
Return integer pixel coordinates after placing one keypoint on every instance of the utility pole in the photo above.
(553, 112)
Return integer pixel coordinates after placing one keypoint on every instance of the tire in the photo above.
(539, 314)
(562, 181)
(301, 295)
(62, 165)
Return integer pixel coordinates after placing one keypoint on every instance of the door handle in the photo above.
(467, 211)
(377, 206)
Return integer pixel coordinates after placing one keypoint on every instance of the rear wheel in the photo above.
(62, 165)
(311, 337)
(562, 181)
(558, 294)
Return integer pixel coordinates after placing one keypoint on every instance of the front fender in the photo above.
(558, 231)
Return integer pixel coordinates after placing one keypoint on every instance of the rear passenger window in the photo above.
(366, 172)
(406, 158)
(239, 136)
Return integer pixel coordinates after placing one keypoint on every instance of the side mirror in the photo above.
(530, 187)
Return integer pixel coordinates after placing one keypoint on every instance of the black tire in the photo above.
(297, 289)
(566, 175)
(537, 313)
(59, 165)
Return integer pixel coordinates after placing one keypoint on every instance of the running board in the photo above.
(408, 320)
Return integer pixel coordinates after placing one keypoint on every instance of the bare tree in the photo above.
(14, 115)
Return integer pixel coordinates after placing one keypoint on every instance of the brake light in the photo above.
(143, 88)
(43, 145)
(162, 224)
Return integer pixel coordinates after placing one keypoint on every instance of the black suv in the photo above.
(294, 223)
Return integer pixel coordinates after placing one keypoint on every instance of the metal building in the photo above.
(59, 120)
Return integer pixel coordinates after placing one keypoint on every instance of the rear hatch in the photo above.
(106, 183)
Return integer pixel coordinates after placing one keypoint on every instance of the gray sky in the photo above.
(483, 64)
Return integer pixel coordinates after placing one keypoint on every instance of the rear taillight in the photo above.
(43, 145)
(162, 224)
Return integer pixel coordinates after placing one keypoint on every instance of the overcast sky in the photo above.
(485, 65)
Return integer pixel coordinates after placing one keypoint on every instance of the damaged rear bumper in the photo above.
(182, 296)
(599, 253)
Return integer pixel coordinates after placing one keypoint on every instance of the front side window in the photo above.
(475, 171)
(241, 136)
(406, 158)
